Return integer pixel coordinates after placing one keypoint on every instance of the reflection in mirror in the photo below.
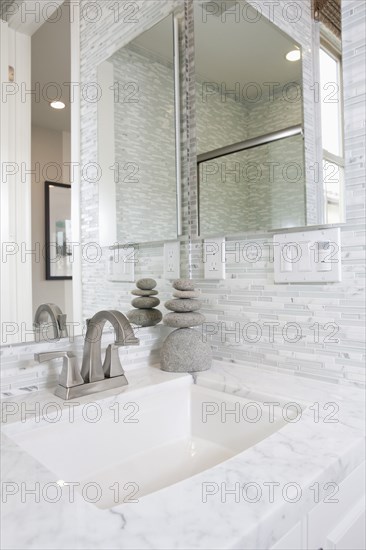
(39, 139)
(49, 323)
(332, 131)
(246, 87)
(58, 231)
(138, 82)
(255, 187)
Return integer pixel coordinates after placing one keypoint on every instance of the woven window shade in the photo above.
(328, 12)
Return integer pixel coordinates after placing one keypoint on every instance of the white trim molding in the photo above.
(16, 265)
(75, 161)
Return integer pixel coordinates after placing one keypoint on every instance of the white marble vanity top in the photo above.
(310, 451)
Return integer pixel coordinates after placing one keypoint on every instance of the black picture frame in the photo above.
(48, 242)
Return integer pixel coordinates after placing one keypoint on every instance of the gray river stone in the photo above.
(183, 284)
(183, 305)
(139, 292)
(145, 317)
(183, 320)
(146, 284)
(145, 302)
(186, 294)
(185, 351)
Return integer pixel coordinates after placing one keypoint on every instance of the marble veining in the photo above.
(304, 452)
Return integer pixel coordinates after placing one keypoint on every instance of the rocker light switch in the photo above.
(324, 252)
(121, 265)
(286, 259)
(305, 260)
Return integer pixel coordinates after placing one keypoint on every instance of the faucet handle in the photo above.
(61, 321)
(112, 365)
(70, 375)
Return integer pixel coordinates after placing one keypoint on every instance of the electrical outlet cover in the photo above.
(172, 260)
(214, 258)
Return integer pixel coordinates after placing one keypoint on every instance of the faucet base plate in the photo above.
(91, 387)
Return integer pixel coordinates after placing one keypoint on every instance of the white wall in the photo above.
(49, 148)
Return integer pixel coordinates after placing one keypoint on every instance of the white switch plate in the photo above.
(172, 260)
(308, 256)
(214, 258)
(121, 265)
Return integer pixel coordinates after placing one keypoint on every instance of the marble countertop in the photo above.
(324, 445)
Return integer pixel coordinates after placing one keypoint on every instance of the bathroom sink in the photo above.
(145, 441)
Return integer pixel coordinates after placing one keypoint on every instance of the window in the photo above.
(332, 133)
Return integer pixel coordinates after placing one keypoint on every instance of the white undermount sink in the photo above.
(147, 441)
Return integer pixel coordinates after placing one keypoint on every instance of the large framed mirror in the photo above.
(251, 167)
(139, 139)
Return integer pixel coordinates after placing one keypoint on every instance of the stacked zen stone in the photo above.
(184, 350)
(145, 315)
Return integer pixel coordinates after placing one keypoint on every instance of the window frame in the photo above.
(333, 49)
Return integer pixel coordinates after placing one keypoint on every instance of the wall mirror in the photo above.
(250, 145)
(138, 139)
(39, 275)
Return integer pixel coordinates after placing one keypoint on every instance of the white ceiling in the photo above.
(51, 63)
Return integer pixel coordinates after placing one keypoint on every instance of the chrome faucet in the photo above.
(94, 375)
(46, 312)
(92, 369)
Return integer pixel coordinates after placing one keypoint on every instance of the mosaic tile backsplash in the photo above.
(248, 295)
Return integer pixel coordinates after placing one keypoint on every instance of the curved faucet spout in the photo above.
(92, 369)
(46, 312)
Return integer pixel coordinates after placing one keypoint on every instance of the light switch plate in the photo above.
(214, 258)
(172, 260)
(121, 265)
(308, 256)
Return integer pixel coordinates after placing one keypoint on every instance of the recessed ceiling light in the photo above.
(293, 55)
(57, 105)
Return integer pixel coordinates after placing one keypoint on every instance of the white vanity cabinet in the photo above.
(350, 533)
(333, 525)
(292, 540)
